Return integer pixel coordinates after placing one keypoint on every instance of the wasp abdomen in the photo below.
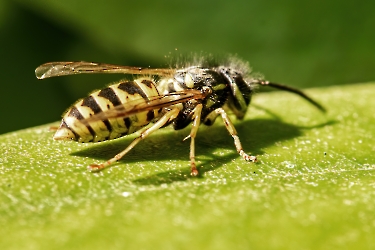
(135, 92)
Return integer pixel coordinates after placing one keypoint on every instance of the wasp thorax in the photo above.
(188, 77)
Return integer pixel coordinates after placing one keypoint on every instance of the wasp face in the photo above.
(241, 91)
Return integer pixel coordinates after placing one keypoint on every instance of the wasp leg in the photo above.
(194, 129)
(232, 131)
(170, 115)
(210, 118)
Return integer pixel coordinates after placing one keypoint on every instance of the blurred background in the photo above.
(299, 43)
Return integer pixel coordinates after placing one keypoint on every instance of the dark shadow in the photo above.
(30, 37)
(27, 39)
(254, 135)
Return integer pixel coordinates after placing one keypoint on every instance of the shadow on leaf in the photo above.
(254, 134)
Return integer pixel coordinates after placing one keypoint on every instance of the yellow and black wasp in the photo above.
(197, 93)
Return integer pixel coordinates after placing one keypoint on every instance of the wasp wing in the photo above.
(53, 69)
(154, 102)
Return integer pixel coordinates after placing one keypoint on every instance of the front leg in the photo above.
(197, 112)
(232, 131)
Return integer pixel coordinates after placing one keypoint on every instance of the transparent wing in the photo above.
(137, 106)
(53, 69)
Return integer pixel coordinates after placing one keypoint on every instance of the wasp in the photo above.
(158, 97)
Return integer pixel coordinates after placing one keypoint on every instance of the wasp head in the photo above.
(241, 91)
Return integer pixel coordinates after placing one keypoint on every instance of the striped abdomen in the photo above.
(136, 91)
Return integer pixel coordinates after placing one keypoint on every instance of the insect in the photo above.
(157, 97)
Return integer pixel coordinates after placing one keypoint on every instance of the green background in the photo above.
(299, 43)
(313, 187)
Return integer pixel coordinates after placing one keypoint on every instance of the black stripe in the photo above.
(132, 88)
(92, 132)
(91, 103)
(109, 94)
(108, 125)
(64, 125)
(74, 112)
(150, 115)
(127, 122)
(148, 83)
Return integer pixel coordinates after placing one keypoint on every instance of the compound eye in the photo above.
(189, 82)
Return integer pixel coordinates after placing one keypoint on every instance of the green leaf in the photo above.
(313, 187)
